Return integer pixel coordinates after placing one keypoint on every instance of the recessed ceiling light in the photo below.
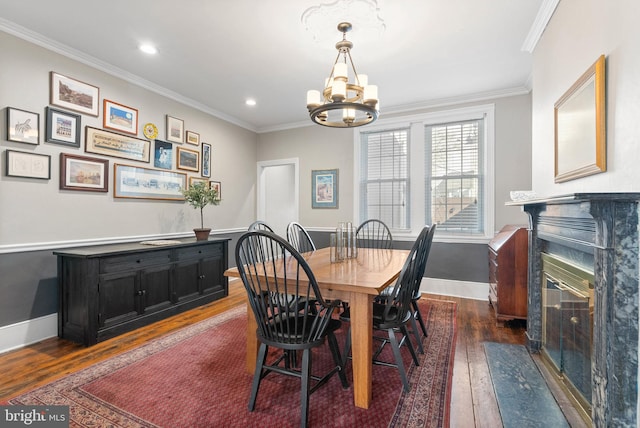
(149, 49)
(250, 102)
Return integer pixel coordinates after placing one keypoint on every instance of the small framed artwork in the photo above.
(83, 173)
(193, 138)
(175, 129)
(324, 188)
(29, 165)
(120, 117)
(206, 160)
(74, 95)
(194, 180)
(217, 186)
(62, 127)
(580, 126)
(23, 126)
(109, 143)
(163, 155)
(146, 183)
(188, 159)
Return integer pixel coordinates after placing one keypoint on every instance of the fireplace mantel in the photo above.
(599, 232)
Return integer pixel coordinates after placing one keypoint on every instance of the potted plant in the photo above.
(199, 195)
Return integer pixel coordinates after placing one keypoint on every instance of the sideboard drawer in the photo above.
(134, 261)
(199, 252)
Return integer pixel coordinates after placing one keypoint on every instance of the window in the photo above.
(430, 168)
(454, 197)
(384, 184)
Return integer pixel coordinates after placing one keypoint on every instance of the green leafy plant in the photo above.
(199, 195)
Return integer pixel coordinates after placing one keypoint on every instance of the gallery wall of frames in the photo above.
(117, 152)
(176, 156)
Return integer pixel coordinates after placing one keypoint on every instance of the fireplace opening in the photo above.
(567, 325)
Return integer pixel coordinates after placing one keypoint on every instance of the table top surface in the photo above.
(371, 272)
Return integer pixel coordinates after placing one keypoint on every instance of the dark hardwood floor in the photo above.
(473, 402)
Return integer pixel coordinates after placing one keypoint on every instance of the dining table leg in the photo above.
(252, 340)
(361, 348)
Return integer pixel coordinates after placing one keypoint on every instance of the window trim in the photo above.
(416, 123)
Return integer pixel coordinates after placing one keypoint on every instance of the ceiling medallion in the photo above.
(363, 14)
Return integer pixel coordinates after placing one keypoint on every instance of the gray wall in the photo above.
(325, 148)
(46, 214)
(578, 33)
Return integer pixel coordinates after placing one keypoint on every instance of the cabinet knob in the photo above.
(201, 277)
(141, 292)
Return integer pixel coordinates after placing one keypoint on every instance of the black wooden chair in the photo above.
(374, 233)
(415, 309)
(299, 238)
(395, 313)
(418, 294)
(260, 225)
(288, 325)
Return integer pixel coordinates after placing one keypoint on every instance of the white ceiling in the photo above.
(213, 54)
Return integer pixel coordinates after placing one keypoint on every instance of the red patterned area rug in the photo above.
(196, 378)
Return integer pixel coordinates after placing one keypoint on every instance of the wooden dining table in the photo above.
(356, 281)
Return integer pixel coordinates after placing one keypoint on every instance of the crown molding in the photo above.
(76, 55)
(539, 24)
(413, 108)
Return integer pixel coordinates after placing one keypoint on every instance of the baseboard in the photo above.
(454, 288)
(25, 333)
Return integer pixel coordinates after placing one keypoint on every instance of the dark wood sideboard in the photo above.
(108, 290)
(508, 265)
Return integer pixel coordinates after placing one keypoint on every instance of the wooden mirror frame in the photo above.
(580, 126)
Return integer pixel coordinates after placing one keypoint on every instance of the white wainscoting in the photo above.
(25, 333)
(463, 289)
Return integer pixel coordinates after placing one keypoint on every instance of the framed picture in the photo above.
(145, 183)
(74, 95)
(163, 155)
(188, 159)
(29, 165)
(218, 187)
(175, 129)
(193, 138)
(23, 126)
(580, 129)
(120, 118)
(206, 160)
(108, 143)
(83, 173)
(324, 188)
(193, 180)
(62, 127)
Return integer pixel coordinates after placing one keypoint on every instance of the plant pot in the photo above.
(202, 234)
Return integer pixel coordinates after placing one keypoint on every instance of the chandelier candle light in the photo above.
(342, 104)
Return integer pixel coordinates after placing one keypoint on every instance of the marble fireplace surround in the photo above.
(600, 230)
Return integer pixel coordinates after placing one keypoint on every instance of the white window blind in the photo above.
(454, 178)
(384, 178)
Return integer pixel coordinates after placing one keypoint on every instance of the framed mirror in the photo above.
(580, 127)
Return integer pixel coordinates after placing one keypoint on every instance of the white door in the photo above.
(278, 189)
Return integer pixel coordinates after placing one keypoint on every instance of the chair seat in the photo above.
(379, 320)
(295, 329)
